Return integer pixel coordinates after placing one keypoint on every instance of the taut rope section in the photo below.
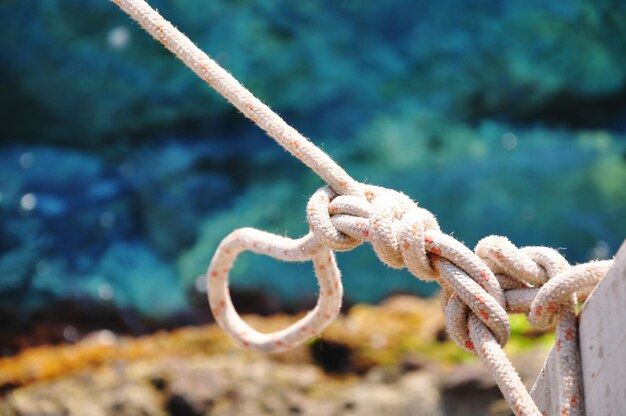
(224, 83)
(478, 287)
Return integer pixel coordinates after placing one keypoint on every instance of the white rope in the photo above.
(478, 287)
(224, 83)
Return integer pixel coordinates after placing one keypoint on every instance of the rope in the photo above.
(225, 84)
(478, 287)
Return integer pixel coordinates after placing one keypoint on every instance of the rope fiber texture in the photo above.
(478, 287)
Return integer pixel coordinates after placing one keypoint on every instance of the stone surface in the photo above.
(239, 384)
(374, 360)
(225, 385)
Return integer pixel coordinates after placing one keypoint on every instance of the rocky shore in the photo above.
(391, 359)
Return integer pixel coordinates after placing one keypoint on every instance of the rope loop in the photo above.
(281, 248)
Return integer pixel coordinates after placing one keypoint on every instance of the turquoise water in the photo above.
(120, 171)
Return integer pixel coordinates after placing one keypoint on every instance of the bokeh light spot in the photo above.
(27, 160)
(118, 37)
(28, 202)
(106, 292)
(509, 141)
(107, 219)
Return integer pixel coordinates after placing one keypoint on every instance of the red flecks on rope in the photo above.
(478, 288)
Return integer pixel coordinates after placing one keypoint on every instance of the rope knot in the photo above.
(389, 220)
(405, 235)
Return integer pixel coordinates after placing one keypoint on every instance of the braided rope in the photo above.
(478, 287)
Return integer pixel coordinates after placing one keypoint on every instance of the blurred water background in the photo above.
(120, 170)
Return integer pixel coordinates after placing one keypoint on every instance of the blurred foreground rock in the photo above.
(233, 384)
(392, 359)
(225, 385)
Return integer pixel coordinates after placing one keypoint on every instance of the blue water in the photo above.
(120, 171)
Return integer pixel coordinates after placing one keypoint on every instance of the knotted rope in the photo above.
(478, 288)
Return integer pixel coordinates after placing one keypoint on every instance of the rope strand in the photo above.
(478, 287)
(231, 89)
